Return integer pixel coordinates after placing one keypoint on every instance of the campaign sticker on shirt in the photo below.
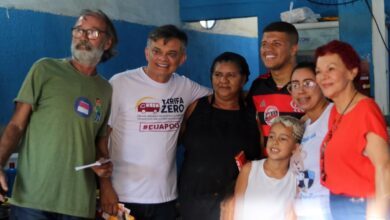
(83, 107)
(270, 113)
(98, 109)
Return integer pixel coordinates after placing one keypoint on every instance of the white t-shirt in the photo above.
(313, 198)
(145, 118)
(267, 198)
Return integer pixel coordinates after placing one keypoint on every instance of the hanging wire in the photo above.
(339, 2)
(376, 24)
(332, 2)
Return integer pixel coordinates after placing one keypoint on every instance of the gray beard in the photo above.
(87, 57)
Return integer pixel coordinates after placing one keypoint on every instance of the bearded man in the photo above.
(61, 116)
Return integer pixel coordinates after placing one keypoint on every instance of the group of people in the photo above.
(303, 143)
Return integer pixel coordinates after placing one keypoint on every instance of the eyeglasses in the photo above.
(92, 34)
(294, 86)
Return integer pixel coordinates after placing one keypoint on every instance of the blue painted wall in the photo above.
(266, 11)
(27, 36)
(203, 48)
(355, 23)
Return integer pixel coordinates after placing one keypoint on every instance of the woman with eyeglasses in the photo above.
(219, 135)
(312, 200)
(355, 158)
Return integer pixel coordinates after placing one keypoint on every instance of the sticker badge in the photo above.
(98, 110)
(83, 107)
(270, 113)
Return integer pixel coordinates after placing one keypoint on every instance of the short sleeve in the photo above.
(198, 91)
(375, 121)
(114, 109)
(32, 86)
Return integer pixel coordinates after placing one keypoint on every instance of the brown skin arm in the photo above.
(239, 190)
(104, 170)
(227, 209)
(377, 151)
(108, 197)
(11, 137)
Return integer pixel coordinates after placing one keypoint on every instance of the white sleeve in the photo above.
(198, 91)
(114, 102)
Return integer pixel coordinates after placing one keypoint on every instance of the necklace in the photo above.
(336, 123)
(329, 137)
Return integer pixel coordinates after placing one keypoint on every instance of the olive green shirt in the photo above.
(69, 111)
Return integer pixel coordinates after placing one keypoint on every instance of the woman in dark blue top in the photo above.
(216, 129)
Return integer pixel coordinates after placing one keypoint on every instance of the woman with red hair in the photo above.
(355, 158)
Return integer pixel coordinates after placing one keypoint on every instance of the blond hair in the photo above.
(291, 122)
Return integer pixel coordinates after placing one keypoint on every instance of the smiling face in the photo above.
(281, 143)
(164, 57)
(333, 76)
(227, 81)
(307, 94)
(276, 50)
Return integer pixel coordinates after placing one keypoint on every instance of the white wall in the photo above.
(245, 27)
(146, 12)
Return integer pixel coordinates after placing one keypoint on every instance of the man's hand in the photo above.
(104, 170)
(108, 198)
(3, 186)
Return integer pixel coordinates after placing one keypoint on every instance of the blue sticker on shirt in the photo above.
(83, 107)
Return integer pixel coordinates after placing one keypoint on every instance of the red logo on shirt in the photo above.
(295, 107)
(270, 113)
(149, 107)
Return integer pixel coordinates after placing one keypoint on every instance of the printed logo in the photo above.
(149, 107)
(83, 107)
(270, 113)
(305, 180)
(295, 107)
(156, 115)
(305, 177)
(262, 104)
(159, 126)
(173, 105)
(98, 110)
(305, 139)
(145, 105)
